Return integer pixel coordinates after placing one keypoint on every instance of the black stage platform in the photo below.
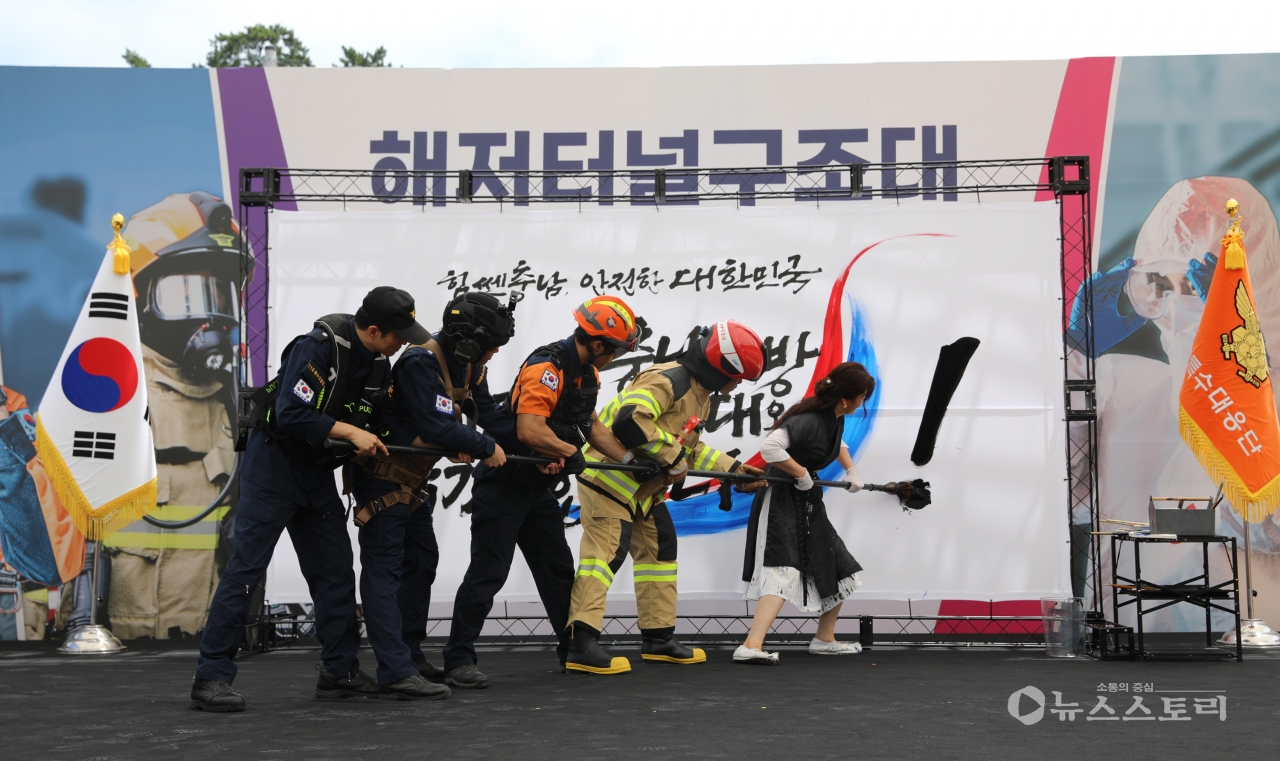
(884, 703)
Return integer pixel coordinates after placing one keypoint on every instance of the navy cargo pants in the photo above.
(398, 558)
(319, 533)
(506, 515)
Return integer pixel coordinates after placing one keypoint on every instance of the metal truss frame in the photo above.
(283, 631)
(1066, 178)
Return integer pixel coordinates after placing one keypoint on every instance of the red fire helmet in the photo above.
(735, 350)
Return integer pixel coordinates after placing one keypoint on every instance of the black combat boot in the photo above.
(662, 645)
(357, 685)
(467, 677)
(413, 687)
(431, 672)
(215, 697)
(586, 655)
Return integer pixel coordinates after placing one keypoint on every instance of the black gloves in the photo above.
(574, 464)
(651, 470)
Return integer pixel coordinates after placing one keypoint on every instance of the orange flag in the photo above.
(1227, 413)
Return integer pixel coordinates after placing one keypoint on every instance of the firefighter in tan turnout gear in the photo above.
(625, 513)
(187, 272)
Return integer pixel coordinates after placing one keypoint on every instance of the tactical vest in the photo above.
(411, 472)
(570, 420)
(574, 412)
(461, 397)
(335, 329)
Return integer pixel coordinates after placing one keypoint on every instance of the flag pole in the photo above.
(97, 598)
(1248, 570)
(93, 638)
(1254, 632)
(114, 282)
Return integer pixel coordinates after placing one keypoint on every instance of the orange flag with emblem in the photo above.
(1227, 413)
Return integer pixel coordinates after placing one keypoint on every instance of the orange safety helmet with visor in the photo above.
(609, 319)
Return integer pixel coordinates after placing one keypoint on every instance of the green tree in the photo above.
(353, 57)
(134, 60)
(247, 48)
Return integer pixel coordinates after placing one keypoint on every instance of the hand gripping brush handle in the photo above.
(341, 445)
(912, 494)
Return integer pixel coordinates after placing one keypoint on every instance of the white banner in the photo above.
(918, 277)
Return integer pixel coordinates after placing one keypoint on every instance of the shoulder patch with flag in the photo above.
(303, 391)
(92, 432)
(550, 379)
(444, 404)
(1227, 412)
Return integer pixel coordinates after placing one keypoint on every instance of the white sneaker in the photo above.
(751, 656)
(818, 647)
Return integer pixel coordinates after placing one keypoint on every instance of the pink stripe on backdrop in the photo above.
(1080, 122)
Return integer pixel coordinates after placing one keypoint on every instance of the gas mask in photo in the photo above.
(190, 318)
(210, 304)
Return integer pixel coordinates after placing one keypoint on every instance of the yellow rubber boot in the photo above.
(586, 656)
(667, 649)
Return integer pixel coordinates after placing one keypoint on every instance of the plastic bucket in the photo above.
(1063, 626)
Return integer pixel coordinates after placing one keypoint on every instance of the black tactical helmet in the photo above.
(476, 322)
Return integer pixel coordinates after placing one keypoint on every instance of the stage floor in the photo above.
(884, 703)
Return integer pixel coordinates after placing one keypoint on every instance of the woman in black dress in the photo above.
(793, 552)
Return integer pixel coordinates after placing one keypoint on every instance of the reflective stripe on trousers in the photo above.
(655, 572)
(596, 568)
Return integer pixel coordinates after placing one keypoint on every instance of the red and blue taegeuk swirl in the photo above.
(101, 375)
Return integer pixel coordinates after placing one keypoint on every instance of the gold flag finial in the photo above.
(1234, 239)
(118, 246)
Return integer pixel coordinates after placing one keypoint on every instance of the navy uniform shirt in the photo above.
(303, 382)
(421, 408)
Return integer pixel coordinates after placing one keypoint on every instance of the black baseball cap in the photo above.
(391, 309)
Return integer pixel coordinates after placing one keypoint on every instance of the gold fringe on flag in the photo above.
(1254, 506)
(105, 520)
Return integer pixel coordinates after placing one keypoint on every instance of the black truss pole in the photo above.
(1069, 176)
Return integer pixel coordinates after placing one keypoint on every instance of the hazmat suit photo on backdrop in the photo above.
(1147, 310)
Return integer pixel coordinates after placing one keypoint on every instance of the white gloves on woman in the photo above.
(855, 480)
(804, 483)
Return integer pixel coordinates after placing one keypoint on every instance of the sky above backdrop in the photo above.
(564, 33)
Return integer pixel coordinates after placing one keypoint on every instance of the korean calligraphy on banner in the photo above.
(910, 279)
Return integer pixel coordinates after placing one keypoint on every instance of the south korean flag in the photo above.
(92, 433)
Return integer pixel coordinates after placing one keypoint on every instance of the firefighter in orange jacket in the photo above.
(625, 513)
(552, 407)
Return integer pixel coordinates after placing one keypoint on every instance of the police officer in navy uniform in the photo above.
(552, 406)
(435, 387)
(329, 380)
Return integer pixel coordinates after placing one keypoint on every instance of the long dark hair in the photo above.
(847, 380)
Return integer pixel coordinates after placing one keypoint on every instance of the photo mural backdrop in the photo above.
(164, 147)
